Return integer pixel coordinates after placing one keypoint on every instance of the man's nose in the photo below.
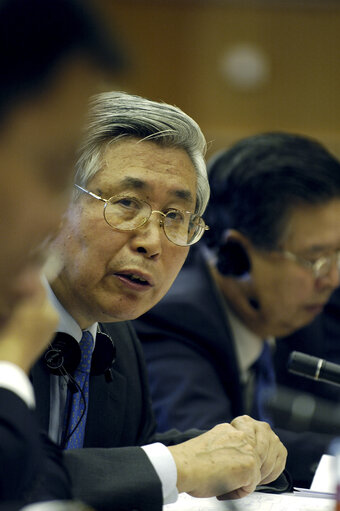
(148, 238)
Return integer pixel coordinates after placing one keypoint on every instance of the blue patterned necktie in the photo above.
(264, 383)
(78, 406)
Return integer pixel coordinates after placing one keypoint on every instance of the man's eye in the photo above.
(175, 215)
(128, 203)
(314, 258)
(309, 258)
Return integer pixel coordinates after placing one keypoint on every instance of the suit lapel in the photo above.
(107, 405)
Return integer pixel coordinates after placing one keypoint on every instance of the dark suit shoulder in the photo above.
(191, 313)
(20, 449)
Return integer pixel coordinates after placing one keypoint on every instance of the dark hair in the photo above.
(256, 184)
(36, 35)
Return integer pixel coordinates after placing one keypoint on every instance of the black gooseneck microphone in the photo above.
(313, 367)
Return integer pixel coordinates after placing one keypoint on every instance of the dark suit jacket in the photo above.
(111, 472)
(20, 449)
(193, 373)
(321, 338)
(25, 457)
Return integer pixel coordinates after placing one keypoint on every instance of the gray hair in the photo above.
(114, 115)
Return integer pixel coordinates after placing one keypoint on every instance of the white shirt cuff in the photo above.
(16, 380)
(165, 466)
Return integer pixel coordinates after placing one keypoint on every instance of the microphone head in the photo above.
(58, 505)
(304, 365)
(314, 367)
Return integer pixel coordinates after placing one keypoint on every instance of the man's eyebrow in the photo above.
(316, 249)
(134, 183)
(184, 195)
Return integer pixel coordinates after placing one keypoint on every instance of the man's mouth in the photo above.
(134, 280)
(316, 308)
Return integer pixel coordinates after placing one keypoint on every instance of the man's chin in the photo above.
(308, 318)
(125, 315)
(286, 329)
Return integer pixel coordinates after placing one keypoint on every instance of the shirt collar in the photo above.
(67, 324)
(248, 344)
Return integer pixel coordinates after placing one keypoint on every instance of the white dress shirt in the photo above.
(248, 345)
(158, 454)
(16, 380)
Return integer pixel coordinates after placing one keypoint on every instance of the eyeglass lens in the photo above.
(128, 213)
(323, 266)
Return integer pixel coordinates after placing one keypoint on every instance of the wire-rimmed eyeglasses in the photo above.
(126, 213)
(320, 268)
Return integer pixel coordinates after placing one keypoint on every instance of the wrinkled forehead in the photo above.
(145, 167)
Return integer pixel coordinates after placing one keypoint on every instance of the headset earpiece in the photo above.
(232, 258)
(64, 354)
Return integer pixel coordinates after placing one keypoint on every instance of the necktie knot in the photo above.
(263, 366)
(86, 346)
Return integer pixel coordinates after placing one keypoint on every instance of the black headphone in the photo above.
(64, 354)
(63, 357)
(232, 258)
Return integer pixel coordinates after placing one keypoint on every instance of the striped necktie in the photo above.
(79, 404)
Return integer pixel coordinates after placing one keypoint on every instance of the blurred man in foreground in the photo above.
(52, 56)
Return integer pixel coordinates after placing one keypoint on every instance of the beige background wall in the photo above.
(175, 49)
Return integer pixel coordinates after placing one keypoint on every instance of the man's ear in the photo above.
(232, 255)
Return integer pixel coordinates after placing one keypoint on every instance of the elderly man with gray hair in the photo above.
(141, 188)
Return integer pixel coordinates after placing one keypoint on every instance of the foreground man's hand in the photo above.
(29, 330)
(230, 460)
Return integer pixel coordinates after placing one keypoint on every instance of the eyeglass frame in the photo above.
(95, 196)
(316, 265)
